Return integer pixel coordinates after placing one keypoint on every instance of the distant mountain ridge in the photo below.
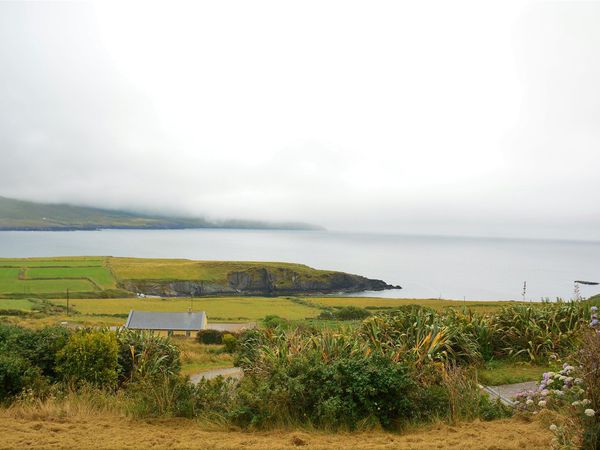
(21, 215)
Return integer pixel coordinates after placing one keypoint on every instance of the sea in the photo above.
(461, 268)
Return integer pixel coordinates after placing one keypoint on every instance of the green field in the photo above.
(254, 308)
(16, 304)
(185, 269)
(41, 276)
(89, 275)
(216, 308)
(376, 303)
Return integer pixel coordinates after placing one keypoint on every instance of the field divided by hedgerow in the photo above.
(40, 276)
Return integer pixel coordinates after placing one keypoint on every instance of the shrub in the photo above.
(537, 332)
(39, 347)
(345, 313)
(17, 374)
(274, 321)
(143, 354)
(162, 395)
(90, 357)
(338, 393)
(588, 359)
(175, 396)
(230, 342)
(210, 337)
(248, 348)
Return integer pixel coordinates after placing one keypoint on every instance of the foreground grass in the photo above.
(70, 424)
(197, 357)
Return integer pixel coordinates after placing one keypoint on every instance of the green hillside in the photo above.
(98, 276)
(25, 215)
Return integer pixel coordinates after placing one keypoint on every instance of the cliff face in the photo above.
(260, 281)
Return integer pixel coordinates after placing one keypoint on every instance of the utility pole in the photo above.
(191, 302)
(524, 289)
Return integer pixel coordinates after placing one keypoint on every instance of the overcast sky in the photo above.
(423, 117)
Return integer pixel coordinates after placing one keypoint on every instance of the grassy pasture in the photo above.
(99, 275)
(16, 304)
(72, 261)
(217, 308)
(184, 269)
(384, 303)
(53, 275)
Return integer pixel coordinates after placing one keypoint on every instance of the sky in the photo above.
(452, 118)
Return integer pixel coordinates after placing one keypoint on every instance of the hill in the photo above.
(98, 276)
(31, 216)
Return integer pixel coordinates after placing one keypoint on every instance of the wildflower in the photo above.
(542, 403)
(593, 323)
(576, 403)
(589, 412)
(585, 402)
(578, 381)
(594, 308)
(562, 378)
(553, 427)
(529, 402)
(594, 316)
(544, 392)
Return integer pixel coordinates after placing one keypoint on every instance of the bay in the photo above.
(468, 268)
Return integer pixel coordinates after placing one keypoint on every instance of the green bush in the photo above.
(17, 374)
(335, 394)
(536, 332)
(230, 342)
(162, 395)
(249, 343)
(210, 337)
(176, 396)
(143, 354)
(39, 347)
(274, 321)
(90, 357)
(345, 313)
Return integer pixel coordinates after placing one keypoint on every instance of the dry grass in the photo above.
(112, 431)
(92, 419)
(197, 357)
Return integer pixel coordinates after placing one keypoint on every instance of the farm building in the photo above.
(169, 322)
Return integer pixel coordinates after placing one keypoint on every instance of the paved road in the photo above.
(230, 372)
(507, 392)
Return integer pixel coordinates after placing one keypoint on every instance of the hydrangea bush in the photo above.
(566, 391)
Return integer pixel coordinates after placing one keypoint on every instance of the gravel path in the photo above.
(230, 372)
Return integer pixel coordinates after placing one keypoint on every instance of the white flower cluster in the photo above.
(556, 390)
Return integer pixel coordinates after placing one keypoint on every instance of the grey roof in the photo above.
(175, 321)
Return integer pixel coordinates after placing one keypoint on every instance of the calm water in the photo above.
(426, 266)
